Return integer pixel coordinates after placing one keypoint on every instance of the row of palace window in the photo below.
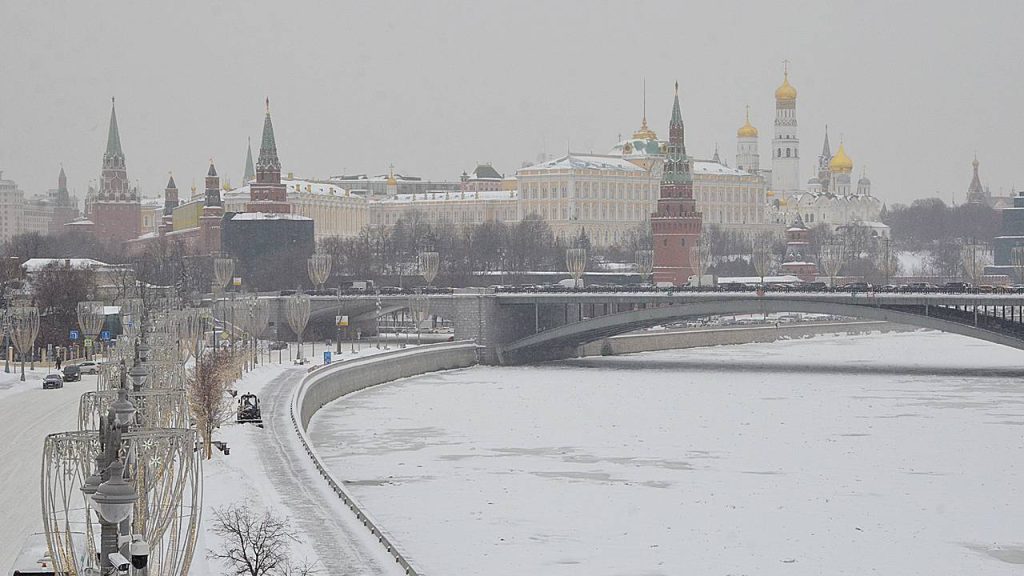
(584, 189)
(778, 153)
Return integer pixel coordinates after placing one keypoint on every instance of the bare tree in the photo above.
(208, 399)
(256, 544)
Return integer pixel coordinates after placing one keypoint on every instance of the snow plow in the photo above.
(249, 410)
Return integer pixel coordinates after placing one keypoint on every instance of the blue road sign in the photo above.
(105, 335)
(73, 335)
(327, 357)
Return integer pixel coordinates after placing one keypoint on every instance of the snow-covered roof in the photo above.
(586, 162)
(296, 186)
(708, 167)
(491, 195)
(37, 264)
(267, 216)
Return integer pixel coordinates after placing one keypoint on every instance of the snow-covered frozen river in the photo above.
(887, 454)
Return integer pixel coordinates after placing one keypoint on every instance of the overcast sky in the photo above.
(915, 88)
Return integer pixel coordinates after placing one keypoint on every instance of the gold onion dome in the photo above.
(841, 163)
(785, 92)
(747, 130)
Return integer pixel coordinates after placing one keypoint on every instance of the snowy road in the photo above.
(883, 454)
(268, 468)
(27, 414)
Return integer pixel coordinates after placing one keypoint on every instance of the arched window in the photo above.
(682, 241)
(787, 153)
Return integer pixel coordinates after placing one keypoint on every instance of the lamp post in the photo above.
(223, 272)
(113, 500)
(576, 263)
(25, 328)
(90, 320)
(298, 316)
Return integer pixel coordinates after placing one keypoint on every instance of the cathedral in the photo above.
(830, 196)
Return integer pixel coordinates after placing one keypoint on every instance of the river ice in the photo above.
(888, 454)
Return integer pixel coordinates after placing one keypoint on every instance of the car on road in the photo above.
(52, 381)
(89, 367)
(72, 373)
(857, 287)
(956, 287)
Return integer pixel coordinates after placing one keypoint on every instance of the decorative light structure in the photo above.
(223, 273)
(1017, 261)
(298, 317)
(24, 322)
(419, 308)
(576, 264)
(429, 265)
(257, 318)
(319, 268)
(643, 260)
(91, 315)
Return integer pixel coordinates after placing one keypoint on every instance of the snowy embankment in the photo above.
(269, 470)
(890, 454)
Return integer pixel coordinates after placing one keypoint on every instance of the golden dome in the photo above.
(841, 163)
(645, 133)
(747, 130)
(785, 92)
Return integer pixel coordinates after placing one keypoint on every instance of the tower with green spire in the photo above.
(676, 225)
(250, 172)
(115, 210)
(267, 193)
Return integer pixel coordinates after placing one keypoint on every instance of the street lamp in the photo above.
(223, 272)
(25, 328)
(298, 316)
(576, 263)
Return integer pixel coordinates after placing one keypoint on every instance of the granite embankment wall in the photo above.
(696, 337)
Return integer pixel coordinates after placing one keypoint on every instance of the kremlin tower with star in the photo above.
(676, 225)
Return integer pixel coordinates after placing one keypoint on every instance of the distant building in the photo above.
(12, 202)
(1011, 238)
(785, 143)
(483, 179)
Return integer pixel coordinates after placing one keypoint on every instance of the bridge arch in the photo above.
(563, 340)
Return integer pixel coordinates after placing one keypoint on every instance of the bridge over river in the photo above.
(515, 328)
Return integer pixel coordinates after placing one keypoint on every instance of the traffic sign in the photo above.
(105, 335)
(327, 357)
(87, 342)
(341, 321)
(74, 335)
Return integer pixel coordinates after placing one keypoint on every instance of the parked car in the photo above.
(52, 381)
(278, 345)
(889, 288)
(89, 367)
(72, 373)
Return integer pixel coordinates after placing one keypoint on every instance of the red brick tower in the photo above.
(213, 213)
(267, 193)
(116, 211)
(676, 225)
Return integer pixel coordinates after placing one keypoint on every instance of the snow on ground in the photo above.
(268, 470)
(27, 414)
(887, 454)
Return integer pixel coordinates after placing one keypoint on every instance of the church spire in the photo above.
(826, 150)
(975, 192)
(250, 172)
(170, 196)
(62, 181)
(677, 165)
(212, 186)
(113, 136)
